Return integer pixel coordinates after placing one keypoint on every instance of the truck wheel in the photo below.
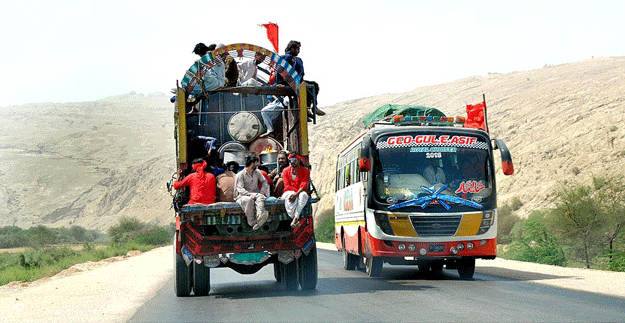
(373, 266)
(466, 268)
(201, 279)
(308, 269)
(289, 275)
(182, 286)
(276, 271)
(349, 261)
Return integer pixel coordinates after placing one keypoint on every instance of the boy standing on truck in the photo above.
(248, 194)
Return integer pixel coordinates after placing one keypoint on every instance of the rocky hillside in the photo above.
(89, 163)
(86, 163)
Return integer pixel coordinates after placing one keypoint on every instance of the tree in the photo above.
(533, 242)
(590, 217)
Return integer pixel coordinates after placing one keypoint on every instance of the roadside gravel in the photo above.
(112, 291)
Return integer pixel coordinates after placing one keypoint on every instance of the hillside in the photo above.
(86, 163)
(89, 163)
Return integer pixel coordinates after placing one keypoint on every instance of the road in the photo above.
(401, 294)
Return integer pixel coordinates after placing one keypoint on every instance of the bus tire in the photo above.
(289, 275)
(308, 270)
(183, 283)
(373, 266)
(276, 271)
(466, 268)
(349, 261)
(201, 279)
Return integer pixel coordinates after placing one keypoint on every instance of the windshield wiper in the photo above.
(424, 201)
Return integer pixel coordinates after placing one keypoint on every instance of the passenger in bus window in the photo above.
(296, 178)
(433, 173)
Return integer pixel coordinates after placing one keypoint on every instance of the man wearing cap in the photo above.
(248, 194)
(201, 183)
(296, 178)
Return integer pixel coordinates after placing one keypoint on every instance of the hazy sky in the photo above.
(67, 51)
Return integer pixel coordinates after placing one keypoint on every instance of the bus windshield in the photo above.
(459, 172)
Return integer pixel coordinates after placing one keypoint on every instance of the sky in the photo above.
(73, 51)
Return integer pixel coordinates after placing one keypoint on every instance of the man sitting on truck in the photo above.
(201, 183)
(248, 194)
(296, 178)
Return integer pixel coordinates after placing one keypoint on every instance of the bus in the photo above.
(418, 190)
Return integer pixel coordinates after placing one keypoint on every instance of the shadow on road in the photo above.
(512, 274)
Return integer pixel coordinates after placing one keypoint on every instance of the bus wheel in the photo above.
(182, 286)
(466, 268)
(307, 268)
(276, 271)
(201, 279)
(373, 266)
(289, 275)
(349, 261)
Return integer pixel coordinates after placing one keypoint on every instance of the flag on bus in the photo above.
(475, 116)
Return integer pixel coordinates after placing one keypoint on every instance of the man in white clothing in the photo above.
(248, 194)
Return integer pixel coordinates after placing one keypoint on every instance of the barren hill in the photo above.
(89, 163)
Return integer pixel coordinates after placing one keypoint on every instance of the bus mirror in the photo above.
(506, 159)
(364, 164)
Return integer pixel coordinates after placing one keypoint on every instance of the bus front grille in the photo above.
(436, 226)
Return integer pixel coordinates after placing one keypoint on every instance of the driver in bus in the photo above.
(433, 173)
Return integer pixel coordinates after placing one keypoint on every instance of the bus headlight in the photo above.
(381, 219)
(470, 245)
(411, 247)
(401, 247)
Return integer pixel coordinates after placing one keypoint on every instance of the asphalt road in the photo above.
(401, 294)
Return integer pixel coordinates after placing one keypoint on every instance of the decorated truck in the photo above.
(227, 120)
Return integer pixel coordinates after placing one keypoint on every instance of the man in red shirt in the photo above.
(201, 183)
(295, 179)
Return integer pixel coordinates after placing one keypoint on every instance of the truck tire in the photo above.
(289, 275)
(373, 266)
(276, 271)
(349, 261)
(201, 279)
(182, 285)
(308, 270)
(466, 268)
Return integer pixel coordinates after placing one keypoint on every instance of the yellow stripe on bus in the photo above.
(402, 227)
(349, 223)
(470, 224)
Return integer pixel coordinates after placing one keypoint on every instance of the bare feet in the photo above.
(295, 223)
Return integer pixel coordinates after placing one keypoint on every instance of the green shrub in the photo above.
(516, 204)
(31, 258)
(324, 231)
(532, 242)
(615, 260)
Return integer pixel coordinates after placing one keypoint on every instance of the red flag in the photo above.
(272, 34)
(475, 116)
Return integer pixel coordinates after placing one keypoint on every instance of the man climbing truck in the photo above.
(222, 125)
(418, 188)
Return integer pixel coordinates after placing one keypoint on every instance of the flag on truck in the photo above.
(272, 34)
